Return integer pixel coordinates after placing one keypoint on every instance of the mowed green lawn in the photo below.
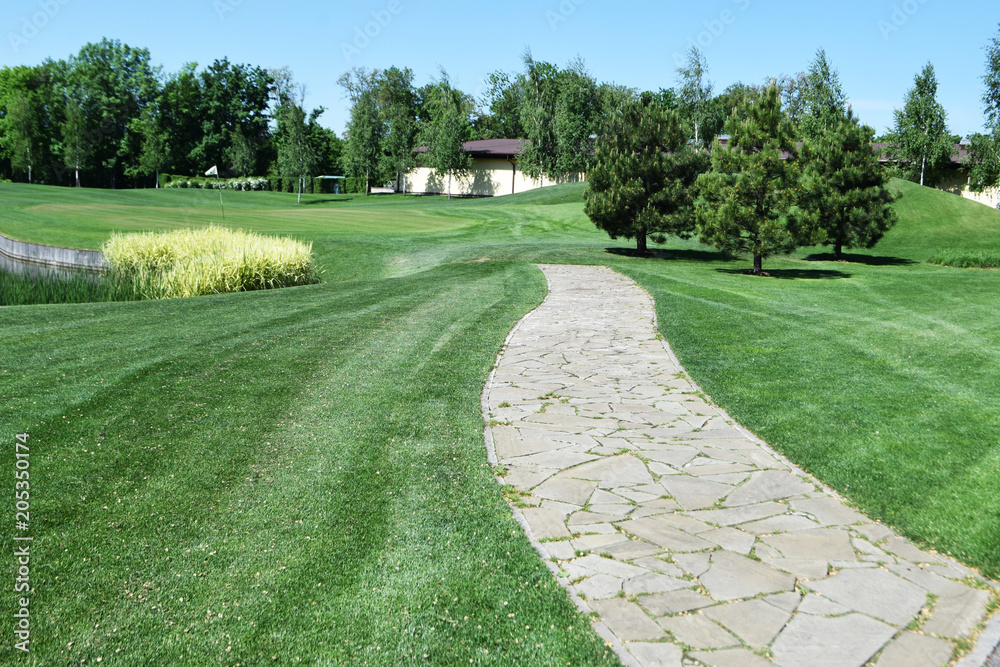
(301, 473)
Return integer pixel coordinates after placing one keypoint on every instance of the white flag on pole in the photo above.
(214, 171)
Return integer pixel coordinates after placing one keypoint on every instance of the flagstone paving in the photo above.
(693, 542)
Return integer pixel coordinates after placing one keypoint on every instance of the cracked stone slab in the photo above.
(693, 493)
(734, 577)
(627, 620)
(613, 472)
(822, 544)
(656, 655)
(675, 602)
(846, 641)
(957, 614)
(874, 592)
(913, 650)
(768, 485)
(566, 489)
(664, 535)
(755, 622)
(698, 631)
(737, 657)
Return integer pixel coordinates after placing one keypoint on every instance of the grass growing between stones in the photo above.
(301, 473)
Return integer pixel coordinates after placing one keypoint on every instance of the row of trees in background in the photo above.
(760, 193)
(797, 169)
(107, 117)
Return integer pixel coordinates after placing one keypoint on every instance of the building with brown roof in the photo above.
(494, 172)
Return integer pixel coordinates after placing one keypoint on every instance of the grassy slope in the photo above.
(881, 376)
(297, 474)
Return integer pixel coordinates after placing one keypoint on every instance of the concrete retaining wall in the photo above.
(46, 255)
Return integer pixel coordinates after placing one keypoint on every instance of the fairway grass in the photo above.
(306, 469)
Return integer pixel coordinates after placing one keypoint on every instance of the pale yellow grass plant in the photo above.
(214, 260)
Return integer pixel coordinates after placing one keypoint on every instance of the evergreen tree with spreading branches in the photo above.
(642, 182)
(750, 194)
(845, 186)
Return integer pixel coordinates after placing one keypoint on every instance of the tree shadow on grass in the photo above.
(328, 200)
(792, 274)
(869, 260)
(660, 253)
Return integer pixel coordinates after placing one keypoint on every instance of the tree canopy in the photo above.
(750, 194)
(642, 182)
(920, 138)
(845, 186)
(984, 149)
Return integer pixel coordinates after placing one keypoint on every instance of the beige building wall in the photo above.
(957, 182)
(489, 177)
(989, 197)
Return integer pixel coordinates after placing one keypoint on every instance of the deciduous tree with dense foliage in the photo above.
(920, 138)
(823, 100)
(845, 186)
(696, 94)
(398, 107)
(984, 152)
(538, 112)
(642, 182)
(750, 194)
(296, 154)
(448, 131)
(363, 155)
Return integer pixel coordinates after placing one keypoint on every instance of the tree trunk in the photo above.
(640, 242)
(923, 168)
(838, 250)
(368, 189)
(300, 191)
(449, 186)
(758, 264)
(78, 176)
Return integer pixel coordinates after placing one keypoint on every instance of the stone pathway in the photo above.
(693, 542)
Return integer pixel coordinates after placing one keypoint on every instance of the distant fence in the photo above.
(51, 256)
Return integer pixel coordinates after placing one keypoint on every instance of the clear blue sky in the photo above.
(876, 45)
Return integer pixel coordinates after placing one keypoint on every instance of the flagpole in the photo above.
(219, 180)
(214, 171)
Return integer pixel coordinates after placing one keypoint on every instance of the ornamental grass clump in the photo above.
(196, 262)
(974, 259)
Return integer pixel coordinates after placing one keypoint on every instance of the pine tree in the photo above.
(921, 140)
(752, 190)
(845, 186)
(642, 180)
